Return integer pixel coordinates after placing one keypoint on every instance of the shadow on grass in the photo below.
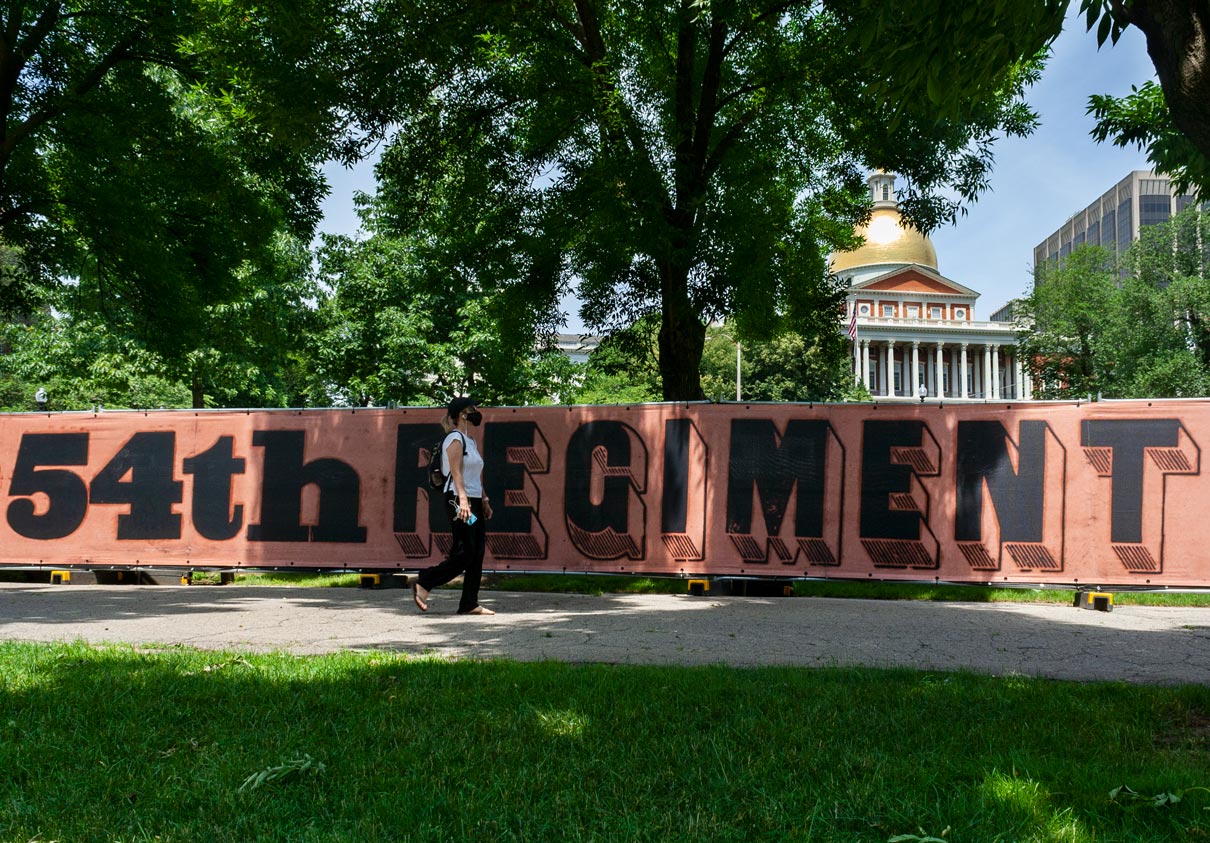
(119, 744)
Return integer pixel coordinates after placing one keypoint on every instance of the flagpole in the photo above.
(856, 348)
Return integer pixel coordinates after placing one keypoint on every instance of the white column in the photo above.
(865, 363)
(939, 372)
(984, 384)
(996, 372)
(1020, 375)
(857, 360)
(890, 367)
(962, 373)
(886, 370)
(914, 382)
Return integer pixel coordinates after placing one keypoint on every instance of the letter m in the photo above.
(803, 467)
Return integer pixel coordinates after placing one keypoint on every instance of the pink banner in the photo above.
(1098, 494)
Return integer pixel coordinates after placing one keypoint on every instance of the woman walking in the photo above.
(467, 508)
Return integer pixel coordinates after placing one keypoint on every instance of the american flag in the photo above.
(853, 325)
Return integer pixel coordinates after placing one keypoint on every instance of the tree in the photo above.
(81, 365)
(252, 349)
(152, 149)
(1165, 326)
(693, 160)
(624, 368)
(396, 327)
(253, 355)
(789, 367)
(1063, 321)
(1137, 330)
(1171, 120)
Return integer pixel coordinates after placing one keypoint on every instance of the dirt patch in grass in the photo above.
(1190, 733)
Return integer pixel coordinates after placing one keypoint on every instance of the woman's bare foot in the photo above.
(419, 596)
(479, 610)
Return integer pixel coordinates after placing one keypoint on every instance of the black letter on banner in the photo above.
(213, 516)
(512, 453)
(67, 492)
(412, 444)
(285, 475)
(675, 514)
(150, 459)
(1116, 448)
(1126, 439)
(894, 504)
(683, 527)
(1016, 495)
(775, 466)
(600, 453)
(1019, 497)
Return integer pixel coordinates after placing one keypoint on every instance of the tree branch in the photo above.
(118, 53)
(16, 53)
(1178, 41)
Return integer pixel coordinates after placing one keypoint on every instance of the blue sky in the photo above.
(1038, 181)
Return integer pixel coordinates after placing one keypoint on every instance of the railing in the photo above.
(948, 324)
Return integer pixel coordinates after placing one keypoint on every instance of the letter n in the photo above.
(1023, 510)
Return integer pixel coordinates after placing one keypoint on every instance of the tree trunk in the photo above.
(1178, 41)
(682, 340)
(199, 393)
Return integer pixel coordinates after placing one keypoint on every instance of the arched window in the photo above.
(886, 193)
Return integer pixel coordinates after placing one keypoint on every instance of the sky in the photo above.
(1037, 183)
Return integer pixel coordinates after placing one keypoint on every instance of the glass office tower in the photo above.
(1114, 220)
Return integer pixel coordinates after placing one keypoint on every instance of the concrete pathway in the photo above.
(1131, 644)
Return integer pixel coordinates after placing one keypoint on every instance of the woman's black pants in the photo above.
(465, 556)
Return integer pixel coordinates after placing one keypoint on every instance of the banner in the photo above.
(1100, 494)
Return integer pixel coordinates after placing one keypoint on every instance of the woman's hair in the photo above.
(453, 410)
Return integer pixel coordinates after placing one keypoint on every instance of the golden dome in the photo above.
(887, 240)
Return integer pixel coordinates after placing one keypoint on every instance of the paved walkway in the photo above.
(1133, 644)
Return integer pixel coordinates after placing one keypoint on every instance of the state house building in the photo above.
(911, 318)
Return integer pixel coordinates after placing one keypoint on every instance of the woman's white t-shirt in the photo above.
(472, 465)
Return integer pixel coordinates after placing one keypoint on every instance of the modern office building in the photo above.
(904, 316)
(1114, 220)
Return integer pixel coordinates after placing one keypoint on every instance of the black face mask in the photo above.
(474, 417)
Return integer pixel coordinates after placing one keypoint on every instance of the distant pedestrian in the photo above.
(467, 508)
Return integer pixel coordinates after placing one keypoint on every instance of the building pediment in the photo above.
(912, 279)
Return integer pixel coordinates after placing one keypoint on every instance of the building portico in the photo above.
(913, 330)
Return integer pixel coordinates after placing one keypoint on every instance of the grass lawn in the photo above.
(119, 744)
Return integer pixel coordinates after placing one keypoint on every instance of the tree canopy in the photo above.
(1138, 329)
(152, 150)
(397, 323)
(1170, 120)
(689, 159)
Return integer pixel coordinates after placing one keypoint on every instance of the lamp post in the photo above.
(40, 397)
(738, 359)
